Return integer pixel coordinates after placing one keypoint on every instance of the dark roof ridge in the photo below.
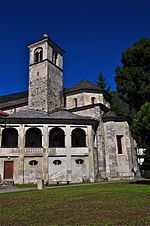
(113, 116)
(13, 96)
(83, 84)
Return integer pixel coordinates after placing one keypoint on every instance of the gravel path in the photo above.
(6, 188)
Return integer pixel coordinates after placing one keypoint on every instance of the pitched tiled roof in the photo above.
(112, 116)
(57, 114)
(83, 85)
(13, 100)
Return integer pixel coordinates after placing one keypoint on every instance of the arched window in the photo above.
(78, 138)
(38, 55)
(54, 57)
(75, 104)
(33, 138)
(56, 138)
(9, 138)
(93, 100)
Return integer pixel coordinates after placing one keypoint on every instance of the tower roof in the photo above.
(51, 43)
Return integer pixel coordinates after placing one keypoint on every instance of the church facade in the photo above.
(59, 134)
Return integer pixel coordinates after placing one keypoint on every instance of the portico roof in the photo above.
(34, 115)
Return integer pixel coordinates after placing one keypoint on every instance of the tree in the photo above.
(141, 131)
(133, 86)
(101, 82)
(133, 78)
(118, 105)
(141, 126)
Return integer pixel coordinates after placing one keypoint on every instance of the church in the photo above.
(62, 135)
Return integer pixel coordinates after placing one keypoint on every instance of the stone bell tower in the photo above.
(45, 75)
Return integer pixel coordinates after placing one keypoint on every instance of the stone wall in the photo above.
(55, 99)
(85, 98)
(118, 165)
(38, 86)
(45, 79)
(94, 112)
(108, 163)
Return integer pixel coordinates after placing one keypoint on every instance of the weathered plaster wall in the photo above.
(45, 168)
(33, 172)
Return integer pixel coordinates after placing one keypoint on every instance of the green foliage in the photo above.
(118, 105)
(141, 126)
(133, 86)
(133, 78)
(101, 82)
(141, 130)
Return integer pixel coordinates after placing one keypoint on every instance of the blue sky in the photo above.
(93, 34)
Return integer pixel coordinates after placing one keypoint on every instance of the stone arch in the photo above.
(93, 99)
(56, 138)
(33, 138)
(38, 54)
(78, 138)
(54, 56)
(75, 103)
(9, 138)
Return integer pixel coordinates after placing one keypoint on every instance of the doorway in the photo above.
(8, 169)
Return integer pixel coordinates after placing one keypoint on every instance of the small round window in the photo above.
(33, 162)
(79, 161)
(57, 162)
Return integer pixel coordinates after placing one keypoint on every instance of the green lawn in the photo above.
(107, 203)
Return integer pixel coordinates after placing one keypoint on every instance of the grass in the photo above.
(105, 203)
(26, 185)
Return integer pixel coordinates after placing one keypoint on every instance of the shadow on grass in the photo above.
(140, 182)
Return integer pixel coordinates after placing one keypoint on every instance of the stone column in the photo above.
(101, 151)
(0, 136)
(21, 146)
(45, 144)
(90, 134)
(107, 144)
(68, 152)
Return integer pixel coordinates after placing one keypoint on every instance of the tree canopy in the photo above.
(141, 126)
(101, 82)
(133, 86)
(118, 105)
(141, 131)
(133, 77)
